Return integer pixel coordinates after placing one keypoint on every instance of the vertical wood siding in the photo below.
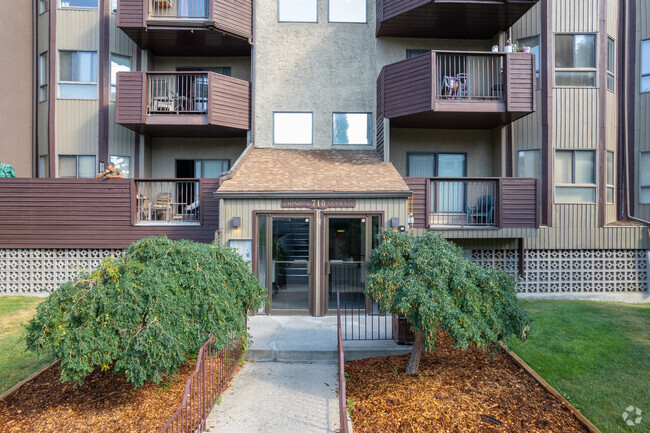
(130, 98)
(77, 29)
(77, 126)
(86, 213)
(408, 86)
(528, 132)
(131, 13)
(612, 17)
(575, 16)
(230, 105)
(575, 118)
(521, 82)
(642, 106)
(529, 24)
(235, 16)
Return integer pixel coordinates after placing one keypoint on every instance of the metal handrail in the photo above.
(343, 412)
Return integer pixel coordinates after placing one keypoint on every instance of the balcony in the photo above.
(466, 203)
(188, 27)
(459, 19)
(167, 201)
(457, 90)
(180, 104)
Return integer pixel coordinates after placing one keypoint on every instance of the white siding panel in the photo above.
(76, 127)
(571, 16)
(77, 30)
(575, 118)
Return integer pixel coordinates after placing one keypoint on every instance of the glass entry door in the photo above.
(349, 242)
(284, 262)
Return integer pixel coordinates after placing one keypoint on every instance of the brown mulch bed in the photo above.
(104, 403)
(455, 391)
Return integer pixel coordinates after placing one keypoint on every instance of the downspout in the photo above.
(626, 120)
(251, 140)
(35, 88)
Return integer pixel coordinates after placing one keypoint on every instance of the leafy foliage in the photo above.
(428, 281)
(6, 170)
(146, 312)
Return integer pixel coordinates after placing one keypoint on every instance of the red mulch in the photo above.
(104, 403)
(455, 391)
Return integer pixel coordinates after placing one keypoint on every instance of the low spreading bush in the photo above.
(146, 312)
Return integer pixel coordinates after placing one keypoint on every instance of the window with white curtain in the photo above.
(575, 176)
(644, 178)
(77, 166)
(119, 63)
(301, 11)
(528, 163)
(645, 65)
(78, 74)
(347, 11)
(123, 163)
(293, 128)
(575, 60)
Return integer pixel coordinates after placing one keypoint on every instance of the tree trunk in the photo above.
(416, 353)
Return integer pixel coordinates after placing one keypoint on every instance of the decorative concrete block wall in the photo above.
(31, 271)
(573, 271)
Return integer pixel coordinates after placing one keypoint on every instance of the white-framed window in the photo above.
(611, 64)
(298, 11)
(645, 65)
(114, 6)
(119, 63)
(610, 177)
(77, 166)
(78, 74)
(293, 128)
(644, 178)
(79, 4)
(529, 163)
(43, 76)
(535, 48)
(575, 176)
(347, 11)
(123, 163)
(43, 6)
(351, 128)
(575, 60)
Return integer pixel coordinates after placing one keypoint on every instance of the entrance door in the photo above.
(284, 262)
(349, 242)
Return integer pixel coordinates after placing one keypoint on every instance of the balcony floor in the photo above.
(459, 115)
(188, 40)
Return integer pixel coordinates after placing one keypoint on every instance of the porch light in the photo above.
(394, 222)
(236, 222)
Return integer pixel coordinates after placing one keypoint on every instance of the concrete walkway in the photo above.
(274, 397)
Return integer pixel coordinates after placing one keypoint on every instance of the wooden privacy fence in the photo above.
(214, 368)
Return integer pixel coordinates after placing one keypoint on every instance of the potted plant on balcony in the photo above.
(508, 48)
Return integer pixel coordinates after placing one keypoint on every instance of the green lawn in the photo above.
(596, 354)
(15, 363)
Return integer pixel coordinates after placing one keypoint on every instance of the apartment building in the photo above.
(294, 130)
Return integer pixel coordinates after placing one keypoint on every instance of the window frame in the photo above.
(642, 73)
(85, 8)
(43, 76)
(557, 185)
(329, 14)
(311, 143)
(78, 83)
(113, 96)
(557, 69)
(610, 186)
(76, 156)
(611, 61)
(293, 21)
(538, 58)
(435, 156)
(642, 186)
(370, 131)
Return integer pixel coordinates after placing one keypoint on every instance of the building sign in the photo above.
(317, 204)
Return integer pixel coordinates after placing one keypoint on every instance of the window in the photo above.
(114, 6)
(645, 65)
(410, 53)
(78, 74)
(644, 178)
(223, 70)
(118, 64)
(347, 11)
(528, 163)
(43, 167)
(351, 128)
(575, 60)
(611, 64)
(123, 163)
(43, 72)
(305, 11)
(77, 166)
(79, 4)
(201, 168)
(533, 43)
(43, 6)
(436, 164)
(575, 176)
(610, 177)
(292, 128)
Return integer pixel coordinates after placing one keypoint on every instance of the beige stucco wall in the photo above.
(476, 143)
(16, 86)
(165, 152)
